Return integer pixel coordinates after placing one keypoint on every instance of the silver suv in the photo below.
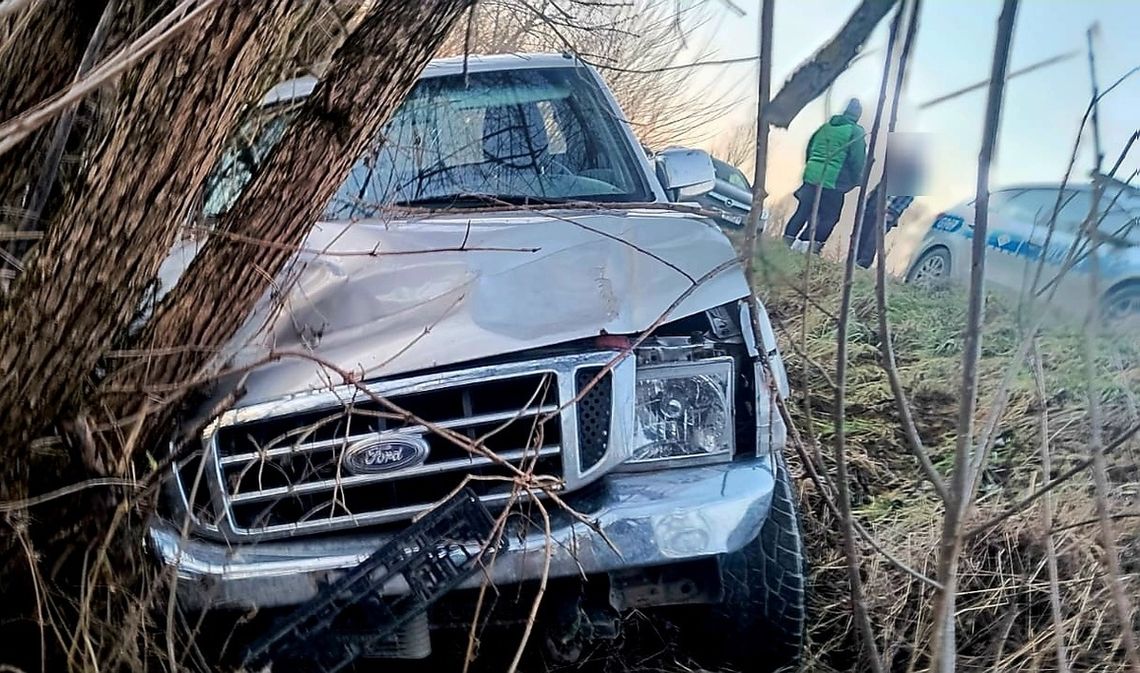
(503, 269)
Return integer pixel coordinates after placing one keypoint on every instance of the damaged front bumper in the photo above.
(650, 518)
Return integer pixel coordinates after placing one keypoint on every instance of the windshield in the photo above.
(538, 135)
(244, 156)
(515, 136)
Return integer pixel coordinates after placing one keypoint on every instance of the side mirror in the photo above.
(685, 173)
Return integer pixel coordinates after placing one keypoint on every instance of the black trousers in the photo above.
(865, 254)
(830, 206)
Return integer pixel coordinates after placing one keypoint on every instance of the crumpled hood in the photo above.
(387, 298)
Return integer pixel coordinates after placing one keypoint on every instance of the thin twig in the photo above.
(548, 554)
(943, 644)
(1047, 518)
(23, 125)
(374, 252)
(1111, 557)
(1028, 500)
(842, 479)
(1013, 73)
(70, 489)
(867, 536)
(63, 125)
(886, 339)
(12, 6)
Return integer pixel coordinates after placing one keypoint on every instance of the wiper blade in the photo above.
(481, 200)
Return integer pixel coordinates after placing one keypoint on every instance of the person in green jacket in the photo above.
(836, 154)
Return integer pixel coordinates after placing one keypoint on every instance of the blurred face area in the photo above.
(906, 164)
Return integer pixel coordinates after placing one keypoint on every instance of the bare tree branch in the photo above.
(842, 477)
(182, 16)
(12, 6)
(1047, 518)
(1111, 555)
(812, 78)
(943, 643)
(886, 339)
(1013, 73)
(336, 123)
(124, 221)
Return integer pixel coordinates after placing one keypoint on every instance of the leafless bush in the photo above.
(636, 45)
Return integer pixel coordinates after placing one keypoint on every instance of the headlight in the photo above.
(684, 412)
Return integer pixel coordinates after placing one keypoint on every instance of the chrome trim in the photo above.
(563, 368)
(464, 422)
(650, 518)
(180, 496)
(416, 471)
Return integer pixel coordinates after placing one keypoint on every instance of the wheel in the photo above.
(1122, 303)
(932, 269)
(761, 623)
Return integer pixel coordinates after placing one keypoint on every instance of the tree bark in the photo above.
(38, 59)
(368, 78)
(85, 279)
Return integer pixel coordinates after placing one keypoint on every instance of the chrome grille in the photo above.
(278, 469)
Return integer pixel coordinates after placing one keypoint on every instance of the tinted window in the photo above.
(730, 174)
(1121, 217)
(1035, 207)
(1074, 211)
(1001, 202)
(1116, 211)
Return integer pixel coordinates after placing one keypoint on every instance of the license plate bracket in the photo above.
(349, 615)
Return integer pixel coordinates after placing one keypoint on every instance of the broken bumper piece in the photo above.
(649, 518)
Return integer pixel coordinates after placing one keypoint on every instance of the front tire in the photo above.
(761, 623)
(1122, 304)
(931, 270)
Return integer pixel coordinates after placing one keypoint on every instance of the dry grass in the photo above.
(1004, 620)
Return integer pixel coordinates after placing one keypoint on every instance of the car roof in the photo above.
(300, 87)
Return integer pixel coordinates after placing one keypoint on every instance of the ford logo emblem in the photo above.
(386, 454)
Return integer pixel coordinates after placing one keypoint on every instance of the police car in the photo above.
(1023, 257)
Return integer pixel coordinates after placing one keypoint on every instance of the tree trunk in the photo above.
(368, 78)
(85, 279)
(103, 245)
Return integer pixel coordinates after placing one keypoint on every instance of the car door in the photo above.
(1051, 245)
(1117, 256)
(1010, 224)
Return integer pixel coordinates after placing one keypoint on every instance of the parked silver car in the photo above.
(497, 308)
(1023, 257)
(731, 195)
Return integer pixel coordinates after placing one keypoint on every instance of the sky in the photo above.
(954, 48)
